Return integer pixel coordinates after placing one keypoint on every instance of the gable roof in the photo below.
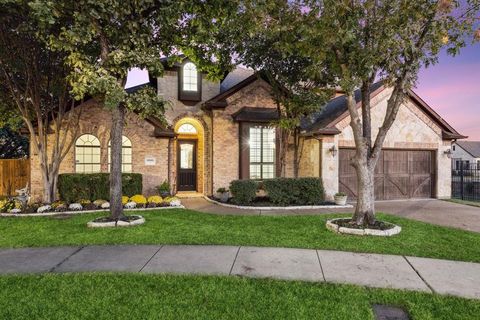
(472, 147)
(234, 77)
(220, 100)
(336, 109)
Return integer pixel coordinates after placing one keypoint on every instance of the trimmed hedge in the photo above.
(243, 191)
(93, 186)
(294, 191)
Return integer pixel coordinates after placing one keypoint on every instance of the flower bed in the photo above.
(265, 205)
(11, 207)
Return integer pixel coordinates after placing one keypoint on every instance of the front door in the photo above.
(187, 165)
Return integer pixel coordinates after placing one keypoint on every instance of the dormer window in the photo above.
(190, 80)
(189, 84)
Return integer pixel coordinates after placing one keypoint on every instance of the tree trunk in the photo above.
(48, 191)
(295, 154)
(116, 207)
(365, 209)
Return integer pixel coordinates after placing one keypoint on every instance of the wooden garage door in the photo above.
(400, 174)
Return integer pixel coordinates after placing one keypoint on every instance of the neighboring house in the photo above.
(466, 152)
(219, 131)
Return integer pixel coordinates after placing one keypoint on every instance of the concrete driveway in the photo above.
(433, 211)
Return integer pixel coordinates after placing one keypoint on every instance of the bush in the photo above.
(294, 191)
(155, 200)
(140, 200)
(93, 186)
(164, 188)
(243, 191)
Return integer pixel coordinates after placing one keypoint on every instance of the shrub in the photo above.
(99, 202)
(243, 191)
(340, 194)
(140, 200)
(164, 188)
(294, 191)
(221, 190)
(84, 202)
(7, 204)
(125, 200)
(92, 186)
(155, 200)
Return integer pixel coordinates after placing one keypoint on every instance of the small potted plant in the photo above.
(340, 198)
(223, 194)
(164, 189)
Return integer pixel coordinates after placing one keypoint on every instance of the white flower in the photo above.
(105, 205)
(75, 207)
(175, 203)
(44, 208)
(15, 210)
(130, 205)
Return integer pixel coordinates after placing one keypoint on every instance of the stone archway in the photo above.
(190, 134)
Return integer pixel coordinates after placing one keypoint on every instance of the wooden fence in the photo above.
(14, 174)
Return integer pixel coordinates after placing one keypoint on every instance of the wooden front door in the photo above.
(187, 165)
(399, 174)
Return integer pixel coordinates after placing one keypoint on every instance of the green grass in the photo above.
(466, 202)
(181, 226)
(137, 296)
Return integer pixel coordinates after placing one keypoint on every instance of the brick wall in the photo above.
(96, 120)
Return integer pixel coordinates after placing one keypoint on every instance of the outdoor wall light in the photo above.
(333, 150)
(448, 153)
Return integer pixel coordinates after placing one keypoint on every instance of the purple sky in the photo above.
(451, 87)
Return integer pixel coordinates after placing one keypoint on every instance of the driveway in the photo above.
(433, 211)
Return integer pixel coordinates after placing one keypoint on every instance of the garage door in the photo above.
(400, 174)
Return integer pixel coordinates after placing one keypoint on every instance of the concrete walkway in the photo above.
(433, 211)
(372, 270)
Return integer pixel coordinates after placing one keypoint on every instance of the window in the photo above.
(190, 77)
(453, 147)
(126, 155)
(187, 128)
(87, 154)
(262, 152)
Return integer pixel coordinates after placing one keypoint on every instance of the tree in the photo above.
(361, 41)
(34, 89)
(269, 43)
(102, 40)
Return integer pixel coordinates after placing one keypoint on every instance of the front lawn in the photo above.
(137, 296)
(179, 226)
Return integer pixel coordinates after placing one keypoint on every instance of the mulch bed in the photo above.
(378, 225)
(124, 218)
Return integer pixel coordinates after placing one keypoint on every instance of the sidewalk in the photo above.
(372, 270)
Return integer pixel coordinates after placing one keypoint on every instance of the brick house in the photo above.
(219, 131)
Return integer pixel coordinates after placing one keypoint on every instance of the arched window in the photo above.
(87, 154)
(190, 77)
(187, 128)
(126, 155)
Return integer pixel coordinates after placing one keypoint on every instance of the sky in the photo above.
(451, 87)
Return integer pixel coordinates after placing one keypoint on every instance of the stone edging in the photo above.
(113, 224)
(332, 226)
(49, 214)
(276, 208)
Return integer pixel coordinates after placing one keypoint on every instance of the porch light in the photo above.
(333, 150)
(448, 153)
